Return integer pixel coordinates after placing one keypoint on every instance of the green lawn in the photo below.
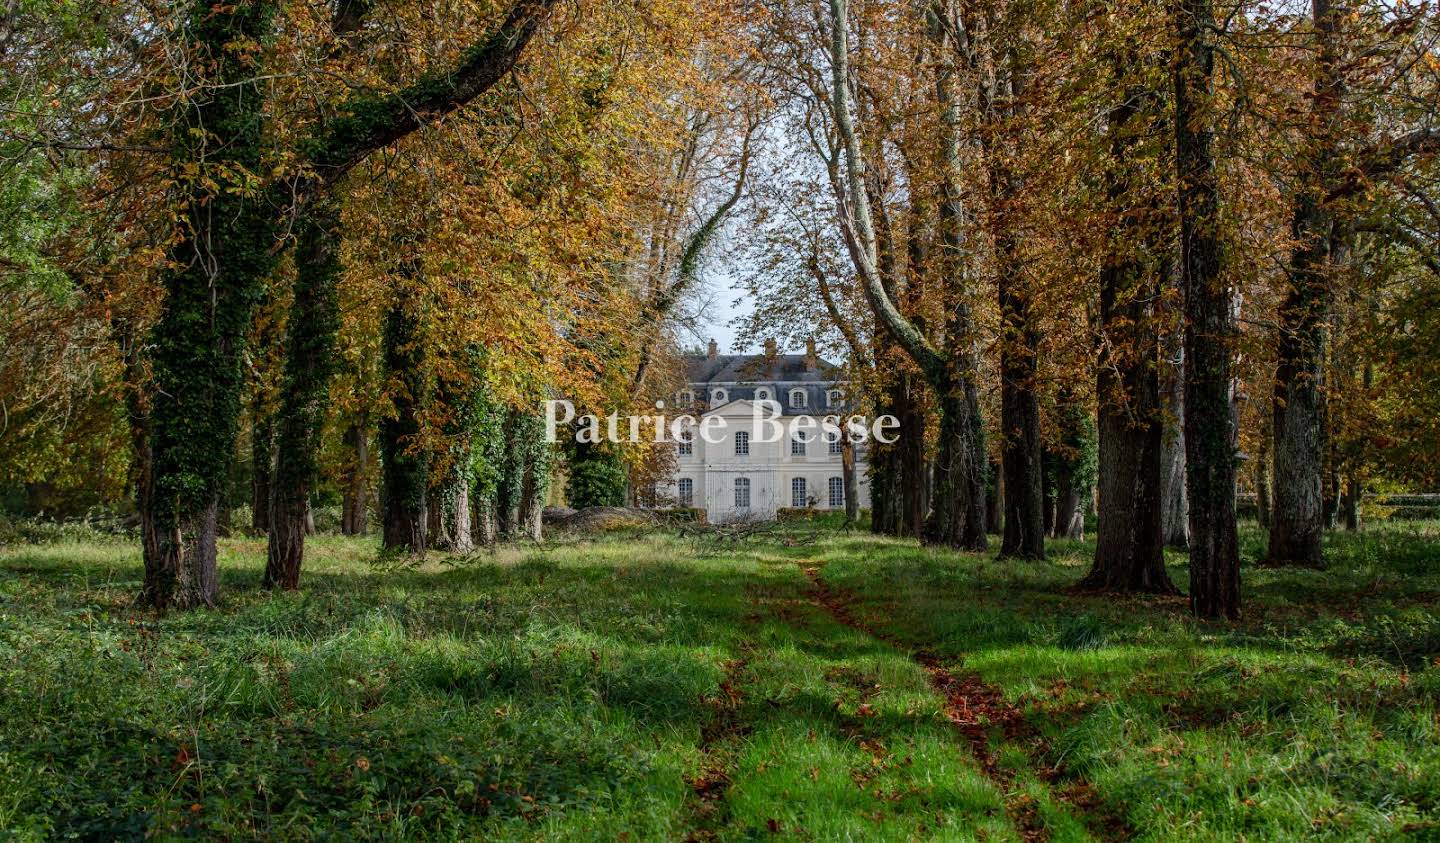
(637, 688)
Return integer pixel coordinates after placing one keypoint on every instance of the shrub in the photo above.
(596, 481)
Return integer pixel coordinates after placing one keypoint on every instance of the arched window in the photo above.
(837, 492)
(686, 447)
(798, 496)
(742, 492)
(719, 397)
(742, 443)
(797, 445)
(686, 489)
(797, 399)
(834, 398)
(764, 394)
(685, 397)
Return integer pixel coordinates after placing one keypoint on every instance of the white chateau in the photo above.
(736, 476)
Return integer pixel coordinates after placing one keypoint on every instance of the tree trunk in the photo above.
(355, 503)
(957, 516)
(310, 362)
(1129, 536)
(913, 503)
(1069, 509)
(849, 480)
(214, 272)
(529, 522)
(486, 529)
(405, 466)
(886, 513)
(1262, 478)
(1175, 505)
(462, 535)
(1298, 520)
(994, 491)
(262, 456)
(1209, 324)
(1024, 500)
(1351, 504)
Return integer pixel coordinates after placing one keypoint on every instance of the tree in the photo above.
(1210, 321)
(1129, 549)
(218, 263)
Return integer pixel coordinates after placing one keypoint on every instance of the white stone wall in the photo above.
(770, 467)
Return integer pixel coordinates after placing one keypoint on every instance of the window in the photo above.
(686, 491)
(742, 444)
(718, 397)
(797, 446)
(764, 394)
(797, 493)
(687, 444)
(834, 398)
(685, 397)
(797, 398)
(742, 492)
(834, 440)
(837, 491)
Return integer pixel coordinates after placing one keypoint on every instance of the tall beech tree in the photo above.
(1210, 319)
(1129, 549)
(1296, 518)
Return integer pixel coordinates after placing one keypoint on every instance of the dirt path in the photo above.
(725, 727)
(975, 708)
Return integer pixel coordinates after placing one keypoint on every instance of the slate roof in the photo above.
(758, 369)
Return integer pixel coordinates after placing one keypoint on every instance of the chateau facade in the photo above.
(739, 476)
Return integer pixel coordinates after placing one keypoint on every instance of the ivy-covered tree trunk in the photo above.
(1129, 542)
(310, 362)
(1209, 322)
(355, 497)
(217, 269)
(405, 465)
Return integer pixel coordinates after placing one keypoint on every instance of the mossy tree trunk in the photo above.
(217, 269)
(405, 465)
(310, 362)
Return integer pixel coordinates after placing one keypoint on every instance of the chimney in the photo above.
(714, 350)
(812, 361)
(771, 349)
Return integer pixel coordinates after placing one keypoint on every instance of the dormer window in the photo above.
(685, 397)
(718, 397)
(764, 394)
(797, 398)
(834, 398)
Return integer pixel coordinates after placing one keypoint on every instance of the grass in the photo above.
(630, 687)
